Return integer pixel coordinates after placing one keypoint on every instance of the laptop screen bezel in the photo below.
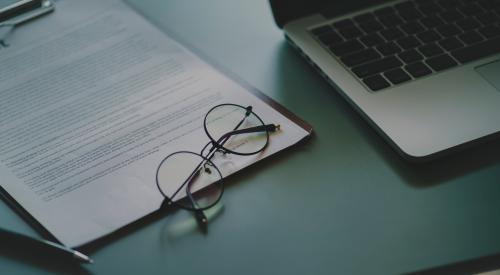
(285, 11)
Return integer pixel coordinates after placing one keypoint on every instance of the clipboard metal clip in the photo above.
(7, 26)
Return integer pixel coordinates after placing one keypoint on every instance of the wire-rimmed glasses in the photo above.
(193, 181)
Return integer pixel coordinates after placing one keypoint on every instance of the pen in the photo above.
(40, 245)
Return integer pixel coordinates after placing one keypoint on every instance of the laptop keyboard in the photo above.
(411, 39)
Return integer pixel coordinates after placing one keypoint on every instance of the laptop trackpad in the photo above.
(490, 72)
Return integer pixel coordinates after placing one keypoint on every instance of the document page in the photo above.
(92, 98)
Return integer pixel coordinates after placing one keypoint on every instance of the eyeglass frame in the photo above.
(217, 146)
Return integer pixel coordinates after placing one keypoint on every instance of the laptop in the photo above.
(424, 73)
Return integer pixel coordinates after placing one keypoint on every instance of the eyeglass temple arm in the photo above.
(201, 219)
(256, 129)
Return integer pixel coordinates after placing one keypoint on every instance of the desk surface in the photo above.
(343, 202)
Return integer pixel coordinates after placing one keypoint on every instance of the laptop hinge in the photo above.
(285, 11)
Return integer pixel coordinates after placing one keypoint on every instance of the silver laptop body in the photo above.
(422, 118)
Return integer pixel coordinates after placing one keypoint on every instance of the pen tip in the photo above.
(82, 257)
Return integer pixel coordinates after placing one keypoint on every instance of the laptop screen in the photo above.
(335, 8)
(288, 10)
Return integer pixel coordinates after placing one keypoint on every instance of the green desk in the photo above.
(342, 203)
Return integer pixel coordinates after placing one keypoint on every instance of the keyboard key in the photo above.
(343, 23)
(430, 8)
(488, 18)
(431, 22)
(468, 24)
(490, 31)
(372, 40)
(488, 5)
(388, 48)
(364, 17)
(377, 66)
(405, 6)
(448, 30)
(441, 62)
(451, 16)
(347, 47)
(424, 2)
(418, 69)
(430, 50)
(471, 37)
(330, 38)
(410, 15)
(391, 34)
(428, 36)
(350, 32)
(376, 83)
(408, 42)
(371, 26)
(391, 20)
(360, 57)
(450, 44)
(410, 56)
(385, 11)
(397, 76)
(447, 4)
(322, 29)
(412, 27)
(477, 51)
(470, 9)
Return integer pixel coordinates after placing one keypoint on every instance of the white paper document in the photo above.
(92, 98)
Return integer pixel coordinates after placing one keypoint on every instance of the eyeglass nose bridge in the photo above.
(218, 147)
(206, 167)
(249, 110)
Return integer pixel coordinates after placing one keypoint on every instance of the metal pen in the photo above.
(31, 244)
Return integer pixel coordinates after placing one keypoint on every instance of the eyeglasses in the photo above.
(193, 181)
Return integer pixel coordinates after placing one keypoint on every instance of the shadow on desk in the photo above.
(475, 266)
(43, 262)
(455, 165)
